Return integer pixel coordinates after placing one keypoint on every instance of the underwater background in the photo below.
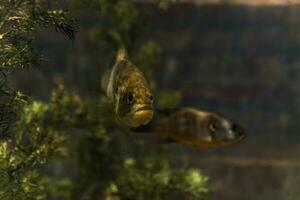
(238, 60)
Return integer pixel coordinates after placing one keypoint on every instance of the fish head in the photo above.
(135, 106)
(221, 131)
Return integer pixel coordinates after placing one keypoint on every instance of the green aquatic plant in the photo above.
(164, 4)
(20, 19)
(24, 145)
(153, 178)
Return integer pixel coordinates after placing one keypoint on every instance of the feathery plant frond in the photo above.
(24, 144)
(20, 19)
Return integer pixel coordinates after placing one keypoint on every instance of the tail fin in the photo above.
(122, 54)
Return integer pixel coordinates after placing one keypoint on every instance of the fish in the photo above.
(194, 127)
(128, 92)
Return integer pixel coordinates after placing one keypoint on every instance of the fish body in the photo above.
(128, 92)
(194, 127)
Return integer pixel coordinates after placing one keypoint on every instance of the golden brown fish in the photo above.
(129, 93)
(194, 127)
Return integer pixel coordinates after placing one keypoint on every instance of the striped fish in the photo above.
(194, 127)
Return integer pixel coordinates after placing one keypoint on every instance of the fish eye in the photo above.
(129, 98)
(151, 98)
(212, 126)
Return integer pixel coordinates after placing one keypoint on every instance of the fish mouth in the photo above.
(141, 114)
(240, 136)
(220, 142)
(234, 133)
(235, 137)
(223, 139)
(238, 132)
(139, 108)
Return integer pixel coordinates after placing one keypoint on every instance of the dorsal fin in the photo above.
(122, 54)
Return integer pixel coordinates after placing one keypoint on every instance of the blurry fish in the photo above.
(194, 127)
(128, 92)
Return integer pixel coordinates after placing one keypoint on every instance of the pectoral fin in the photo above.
(166, 112)
(167, 140)
(105, 111)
